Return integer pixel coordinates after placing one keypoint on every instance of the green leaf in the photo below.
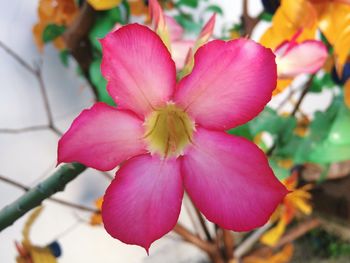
(115, 15)
(340, 131)
(51, 32)
(214, 9)
(102, 26)
(189, 3)
(105, 22)
(243, 131)
(321, 82)
(287, 149)
(266, 17)
(99, 82)
(125, 9)
(188, 24)
(327, 152)
(280, 172)
(310, 150)
(269, 121)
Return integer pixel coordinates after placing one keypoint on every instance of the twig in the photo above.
(248, 22)
(107, 175)
(37, 73)
(302, 96)
(35, 196)
(25, 129)
(190, 209)
(286, 99)
(77, 42)
(293, 234)
(203, 224)
(248, 243)
(209, 248)
(46, 102)
(298, 231)
(192, 238)
(228, 243)
(15, 56)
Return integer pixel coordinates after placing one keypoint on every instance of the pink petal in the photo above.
(285, 46)
(143, 202)
(230, 84)
(306, 57)
(179, 52)
(102, 137)
(229, 180)
(138, 68)
(175, 29)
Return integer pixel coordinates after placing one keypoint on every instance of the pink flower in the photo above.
(170, 137)
(294, 58)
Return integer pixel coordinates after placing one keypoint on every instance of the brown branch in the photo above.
(248, 22)
(56, 200)
(302, 96)
(211, 249)
(298, 231)
(77, 41)
(192, 238)
(203, 224)
(286, 99)
(228, 243)
(294, 233)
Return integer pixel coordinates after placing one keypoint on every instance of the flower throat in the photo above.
(168, 131)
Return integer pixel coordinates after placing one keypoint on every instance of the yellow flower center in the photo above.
(168, 131)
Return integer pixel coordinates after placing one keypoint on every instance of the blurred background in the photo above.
(37, 105)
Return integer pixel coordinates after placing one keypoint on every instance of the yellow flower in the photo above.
(290, 17)
(331, 17)
(104, 4)
(334, 21)
(296, 202)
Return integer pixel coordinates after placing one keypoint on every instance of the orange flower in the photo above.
(283, 256)
(58, 12)
(302, 126)
(96, 218)
(296, 202)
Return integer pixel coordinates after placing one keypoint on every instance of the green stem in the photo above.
(35, 196)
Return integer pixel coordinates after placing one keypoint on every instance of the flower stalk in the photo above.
(35, 196)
